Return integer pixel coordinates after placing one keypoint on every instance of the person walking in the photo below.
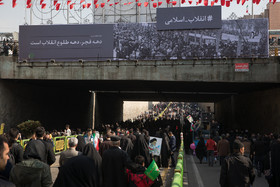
(71, 152)
(200, 149)
(32, 171)
(223, 148)
(210, 145)
(43, 148)
(4, 157)
(275, 162)
(114, 163)
(237, 170)
(172, 145)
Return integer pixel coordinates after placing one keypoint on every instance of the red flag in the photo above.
(227, 3)
(129, 3)
(102, 5)
(82, 1)
(57, 6)
(238, 1)
(29, 6)
(223, 2)
(258, 2)
(199, 1)
(183, 1)
(95, 1)
(216, 1)
(274, 1)
(155, 5)
(28, 2)
(125, 4)
(159, 3)
(68, 2)
(190, 2)
(108, 0)
(1, 3)
(212, 3)
(139, 4)
(146, 4)
(136, 1)
(44, 5)
(96, 5)
(254, 1)
(72, 6)
(84, 6)
(111, 5)
(54, 3)
(243, 1)
(174, 3)
(88, 5)
(117, 3)
(205, 2)
(167, 1)
(41, 2)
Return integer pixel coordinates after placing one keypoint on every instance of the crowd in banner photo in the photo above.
(237, 38)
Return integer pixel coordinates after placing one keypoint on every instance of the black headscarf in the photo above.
(127, 145)
(141, 147)
(79, 171)
(81, 143)
(91, 152)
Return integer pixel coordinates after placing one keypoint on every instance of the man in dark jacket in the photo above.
(275, 162)
(43, 148)
(15, 148)
(114, 163)
(105, 145)
(31, 172)
(4, 156)
(223, 148)
(237, 170)
(172, 145)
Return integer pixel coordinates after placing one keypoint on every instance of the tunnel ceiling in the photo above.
(158, 90)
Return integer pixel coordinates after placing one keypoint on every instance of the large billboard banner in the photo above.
(142, 41)
(236, 39)
(65, 42)
(189, 18)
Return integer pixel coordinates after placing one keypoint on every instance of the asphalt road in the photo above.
(201, 175)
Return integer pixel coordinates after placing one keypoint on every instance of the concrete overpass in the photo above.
(56, 93)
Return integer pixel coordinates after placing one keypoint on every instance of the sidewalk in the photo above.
(54, 168)
(201, 175)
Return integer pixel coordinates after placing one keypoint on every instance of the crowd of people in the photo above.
(115, 157)
(119, 154)
(240, 154)
(8, 48)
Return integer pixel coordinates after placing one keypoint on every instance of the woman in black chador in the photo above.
(141, 147)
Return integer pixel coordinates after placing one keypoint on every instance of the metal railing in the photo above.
(179, 169)
(60, 143)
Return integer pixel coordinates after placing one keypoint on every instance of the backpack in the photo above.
(138, 180)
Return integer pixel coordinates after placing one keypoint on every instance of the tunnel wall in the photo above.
(258, 111)
(52, 106)
(108, 109)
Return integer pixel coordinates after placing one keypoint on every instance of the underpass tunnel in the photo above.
(89, 104)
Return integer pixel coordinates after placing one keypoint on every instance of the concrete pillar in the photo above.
(108, 109)
(53, 106)
(256, 111)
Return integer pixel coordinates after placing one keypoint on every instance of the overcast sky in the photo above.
(11, 18)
